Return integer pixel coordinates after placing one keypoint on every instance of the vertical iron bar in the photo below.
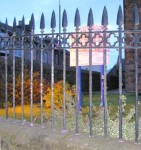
(120, 83)
(41, 79)
(64, 80)
(105, 85)
(31, 79)
(136, 87)
(14, 114)
(77, 98)
(90, 81)
(22, 77)
(52, 78)
(6, 90)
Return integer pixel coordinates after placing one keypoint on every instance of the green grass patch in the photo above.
(112, 98)
(112, 101)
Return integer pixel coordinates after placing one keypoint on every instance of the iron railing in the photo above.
(27, 41)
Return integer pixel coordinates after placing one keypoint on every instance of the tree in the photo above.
(36, 88)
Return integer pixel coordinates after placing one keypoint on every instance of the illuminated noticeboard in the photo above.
(83, 54)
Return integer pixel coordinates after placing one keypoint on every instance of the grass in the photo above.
(18, 110)
(112, 100)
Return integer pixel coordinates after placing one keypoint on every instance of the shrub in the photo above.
(98, 120)
(58, 94)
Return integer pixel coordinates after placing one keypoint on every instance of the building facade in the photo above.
(47, 53)
(129, 53)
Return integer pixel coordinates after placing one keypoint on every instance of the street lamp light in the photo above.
(59, 26)
(59, 16)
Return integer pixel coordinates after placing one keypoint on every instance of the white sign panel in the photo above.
(83, 57)
(83, 54)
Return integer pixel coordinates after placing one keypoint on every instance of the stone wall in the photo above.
(129, 53)
(16, 136)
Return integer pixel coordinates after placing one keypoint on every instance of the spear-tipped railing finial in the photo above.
(90, 18)
(77, 18)
(53, 20)
(14, 25)
(135, 15)
(64, 19)
(105, 17)
(42, 22)
(6, 24)
(32, 22)
(120, 17)
(23, 24)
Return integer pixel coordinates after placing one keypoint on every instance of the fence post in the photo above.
(120, 23)
(32, 26)
(6, 84)
(64, 25)
(13, 43)
(77, 24)
(90, 24)
(22, 68)
(42, 26)
(105, 23)
(53, 25)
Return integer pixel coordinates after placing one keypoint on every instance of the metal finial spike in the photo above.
(6, 25)
(65, 19)
(90, 18)
(53, 20)
(135, 15)
(14, 25)
(32, 22)
(23, 24)
(120, 16)
(77, 18)
(105, 17)
(42, 22)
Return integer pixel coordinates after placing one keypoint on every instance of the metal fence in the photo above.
(17, 41)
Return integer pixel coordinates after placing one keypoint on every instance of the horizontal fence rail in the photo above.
(119, 39)
(112, 40)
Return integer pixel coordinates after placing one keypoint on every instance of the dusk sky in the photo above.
(18, 8)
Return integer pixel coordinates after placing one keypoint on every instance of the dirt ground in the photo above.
(17, 136)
